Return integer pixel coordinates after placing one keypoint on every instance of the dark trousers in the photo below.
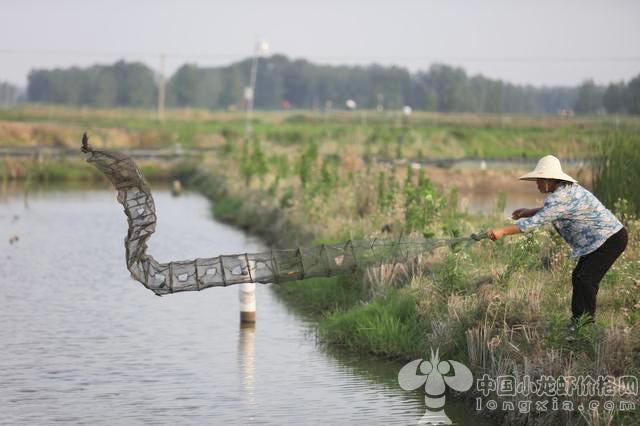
(590, 270)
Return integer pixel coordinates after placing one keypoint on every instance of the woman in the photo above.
(596, 236)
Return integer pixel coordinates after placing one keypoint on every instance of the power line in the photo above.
(206, 55)
(92, 53)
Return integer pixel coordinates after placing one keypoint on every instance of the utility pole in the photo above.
(249, 92)
(161, 90)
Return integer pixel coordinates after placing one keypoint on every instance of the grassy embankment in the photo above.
(501, 308)
(498, 307)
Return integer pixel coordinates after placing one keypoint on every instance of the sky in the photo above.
(539, 42)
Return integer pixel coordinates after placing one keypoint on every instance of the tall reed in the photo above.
(616, 169)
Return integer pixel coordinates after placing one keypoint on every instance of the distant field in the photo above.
(386, 135)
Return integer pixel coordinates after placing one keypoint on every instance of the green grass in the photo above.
(73, 170)
(426, 135)
(388, 327)
(320, 296)
(617, 171)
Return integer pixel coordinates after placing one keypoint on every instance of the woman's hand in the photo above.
(496, 234)
(517, 214)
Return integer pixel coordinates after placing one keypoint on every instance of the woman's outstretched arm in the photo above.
(520, 213)
(497, 233)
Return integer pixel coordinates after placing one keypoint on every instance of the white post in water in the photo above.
(247, 296)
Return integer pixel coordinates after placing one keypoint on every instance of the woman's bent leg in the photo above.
(590, 270)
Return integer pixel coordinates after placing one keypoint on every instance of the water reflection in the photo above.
(491, 202)
(246, 358)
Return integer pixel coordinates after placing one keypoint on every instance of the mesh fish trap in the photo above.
(274, 266)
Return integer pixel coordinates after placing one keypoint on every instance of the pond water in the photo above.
(83, 343)
(501, 203)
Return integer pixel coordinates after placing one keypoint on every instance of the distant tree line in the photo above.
(285, 83)
(121, 84)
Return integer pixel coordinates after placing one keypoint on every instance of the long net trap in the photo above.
(273, 266)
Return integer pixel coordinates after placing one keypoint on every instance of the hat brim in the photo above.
(538, 175)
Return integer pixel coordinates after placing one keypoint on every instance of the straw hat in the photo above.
(548, 168)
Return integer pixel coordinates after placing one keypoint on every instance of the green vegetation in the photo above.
(322, 294)
(387, 326)
(617, 170)
(426, 136)
(51, 170)
(122, 84)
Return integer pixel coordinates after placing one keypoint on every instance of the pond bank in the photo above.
(499, 308)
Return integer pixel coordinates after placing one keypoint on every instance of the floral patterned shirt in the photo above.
(578, 216)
